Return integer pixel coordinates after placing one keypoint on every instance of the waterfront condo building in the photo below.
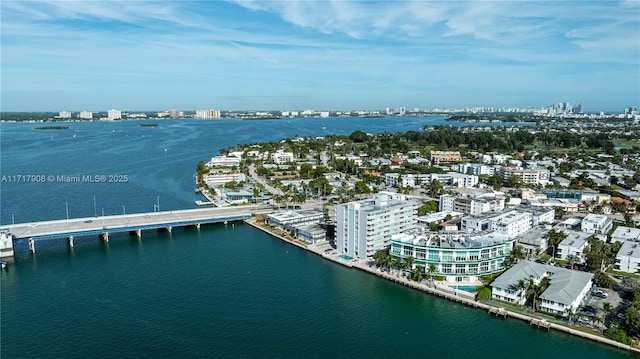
(86, 115)
(114, 114)
(366, 226)
(64, 114)
(566, 292)
(458, 256)
(204, 114)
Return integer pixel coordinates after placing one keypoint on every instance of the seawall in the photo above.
(452, 295)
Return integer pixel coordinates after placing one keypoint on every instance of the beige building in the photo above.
(444, 157)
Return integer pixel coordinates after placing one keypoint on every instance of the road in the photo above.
(255, 177)
(118, 222)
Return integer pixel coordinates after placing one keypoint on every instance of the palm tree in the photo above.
(408, 262)
(555, 237)
(418, 274)
(570, 313)
(521, 288)
(431, 272)
(607, 308)
(536, 290)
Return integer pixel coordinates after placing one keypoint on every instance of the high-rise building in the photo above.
(366, 226)
(176, 114)
(202, 114)
(114, 114)
(86, 115)
(64, 114)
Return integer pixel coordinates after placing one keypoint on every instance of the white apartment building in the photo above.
(472, 206)
(220, 178)
(204, 114)
(86, 115)
(224, 161)
(64, 114)
(628, 257)
(280, 157)
(114, 114)
(512, 223)
(624, 234)
(540, 176)
(567, 288)
(366, 226)
(596, 223)
(476, 169)
(574, 245)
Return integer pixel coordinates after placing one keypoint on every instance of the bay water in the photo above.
(224, 291)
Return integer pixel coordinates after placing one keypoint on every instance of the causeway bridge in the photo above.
(132, 223)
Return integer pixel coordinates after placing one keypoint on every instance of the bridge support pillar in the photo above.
(226, 222)
(32, 246)
(169, 229)
(198, 225)
(139, 233)
(105, 237)
(70, 240)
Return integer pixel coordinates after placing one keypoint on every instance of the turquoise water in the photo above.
(222, 291)
(345, 257)
(466, 288)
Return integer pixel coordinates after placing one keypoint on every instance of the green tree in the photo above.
(358, 136)
(428, 207)
(555, 237)
(434, 188)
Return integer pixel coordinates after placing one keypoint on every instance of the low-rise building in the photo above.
(596, 223)
(527, 176)
(444, 157)
(289, 219)
(623, 234)
(215, 179)
(457, 256)
(282, 157)
(574, 245)
(472, 206)
(534, 242)
(224, 161)
(628, 258)
(566, 292)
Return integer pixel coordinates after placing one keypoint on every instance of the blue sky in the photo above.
(279, 55)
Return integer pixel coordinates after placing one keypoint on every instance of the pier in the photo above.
(131, 223)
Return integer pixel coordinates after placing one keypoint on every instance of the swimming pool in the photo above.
(466, 288)
(345, 257)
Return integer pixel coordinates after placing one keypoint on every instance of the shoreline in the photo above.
(446, 292)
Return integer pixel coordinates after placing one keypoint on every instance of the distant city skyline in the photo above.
(321, 55)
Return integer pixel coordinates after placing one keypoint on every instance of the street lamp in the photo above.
(13, 220)
(66, 205)
(95, 211)
(123, 211)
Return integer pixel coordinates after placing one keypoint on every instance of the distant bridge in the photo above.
(132, 223)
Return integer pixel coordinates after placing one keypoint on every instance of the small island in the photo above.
(52, 128)
(148, 125)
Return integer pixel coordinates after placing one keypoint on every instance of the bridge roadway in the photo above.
(136, 222)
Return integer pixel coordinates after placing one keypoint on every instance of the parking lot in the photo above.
(595, 305)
